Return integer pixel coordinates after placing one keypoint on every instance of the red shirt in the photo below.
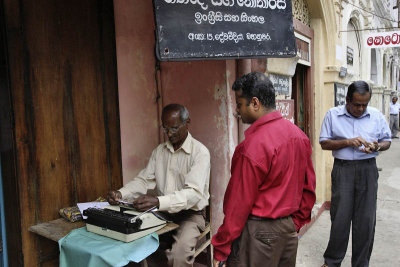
(272, 176)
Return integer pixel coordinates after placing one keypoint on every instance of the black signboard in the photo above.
(340, 94)
(217, 29)
(281, 83)
(350, 56)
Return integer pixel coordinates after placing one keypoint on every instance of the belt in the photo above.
(344, 161)
(394, 114)
(183, 214)
(191, 212)
(256, 218)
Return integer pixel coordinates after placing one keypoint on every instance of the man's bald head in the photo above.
(172, 108)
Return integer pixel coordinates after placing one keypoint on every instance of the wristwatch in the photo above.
(379, 148)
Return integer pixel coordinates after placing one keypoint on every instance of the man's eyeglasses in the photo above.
(173, 129)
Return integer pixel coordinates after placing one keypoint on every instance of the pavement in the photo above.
(386, 251)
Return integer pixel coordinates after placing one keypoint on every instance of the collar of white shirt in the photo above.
(186, 146)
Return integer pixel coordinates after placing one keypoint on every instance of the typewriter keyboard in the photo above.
(108, 214)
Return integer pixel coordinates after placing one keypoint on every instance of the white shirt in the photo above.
(181, 178)
(394, 108)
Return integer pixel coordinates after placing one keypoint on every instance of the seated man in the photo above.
(179, 171)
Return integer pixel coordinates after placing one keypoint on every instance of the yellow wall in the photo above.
(324, 23)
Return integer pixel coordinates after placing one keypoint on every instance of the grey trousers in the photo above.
(394, 124)
(354, 193)
(271, 242)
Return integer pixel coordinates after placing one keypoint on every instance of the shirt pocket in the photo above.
(369, 131)
(179, 177)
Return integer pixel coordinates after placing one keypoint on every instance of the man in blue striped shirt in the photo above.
(355, 133)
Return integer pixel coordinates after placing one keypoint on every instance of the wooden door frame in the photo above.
(300, 72)
(309, 110)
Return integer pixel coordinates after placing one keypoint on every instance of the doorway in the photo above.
(298, 96)
(301, 94)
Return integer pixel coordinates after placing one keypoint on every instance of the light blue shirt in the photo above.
(338, 124)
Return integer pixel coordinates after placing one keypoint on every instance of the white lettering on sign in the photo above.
(197, 36)
(223, 37)
(286, 108)
(258, 37)
(228, 36)
(281, 83)
(271, 4)
(194, 2)
(213, 17)
(223, 2)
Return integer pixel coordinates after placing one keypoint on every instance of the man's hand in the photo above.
(330, 144)
(376, 146)
(113, 197)
(357, 142)
(145, 202)
(216, 263)
(372, 147)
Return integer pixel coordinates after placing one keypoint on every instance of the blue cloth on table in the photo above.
(86, 249)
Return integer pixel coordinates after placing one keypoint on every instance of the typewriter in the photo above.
(122, 223)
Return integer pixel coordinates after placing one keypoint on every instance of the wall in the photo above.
(145, 87)
(204, 88)
(138, 102)
(325, 23)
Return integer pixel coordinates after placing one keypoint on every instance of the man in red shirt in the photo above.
(271, 191)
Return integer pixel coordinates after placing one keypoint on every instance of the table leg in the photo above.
(143, 263)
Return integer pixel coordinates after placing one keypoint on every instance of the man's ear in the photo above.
(187, 120)
(347, 100)
(256, 103)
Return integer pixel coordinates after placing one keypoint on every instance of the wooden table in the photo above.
(57, 229)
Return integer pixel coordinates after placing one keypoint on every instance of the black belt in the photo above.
(256, 218)
(192, 212)
(344, 161)
(394, 114)
(182, 214)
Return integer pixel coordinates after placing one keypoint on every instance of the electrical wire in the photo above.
(372, 29)
(369, 11)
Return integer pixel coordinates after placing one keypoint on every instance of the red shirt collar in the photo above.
(275, 115)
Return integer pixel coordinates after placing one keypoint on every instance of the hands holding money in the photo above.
(141, 203)
(368, 146)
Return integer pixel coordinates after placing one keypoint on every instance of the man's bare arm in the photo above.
(384, 145)
(338, 144)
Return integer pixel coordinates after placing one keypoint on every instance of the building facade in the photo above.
(347, 59)
(82, 93)
(334, 35)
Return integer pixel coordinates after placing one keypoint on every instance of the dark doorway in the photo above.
(298, 82)
(301, 94)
